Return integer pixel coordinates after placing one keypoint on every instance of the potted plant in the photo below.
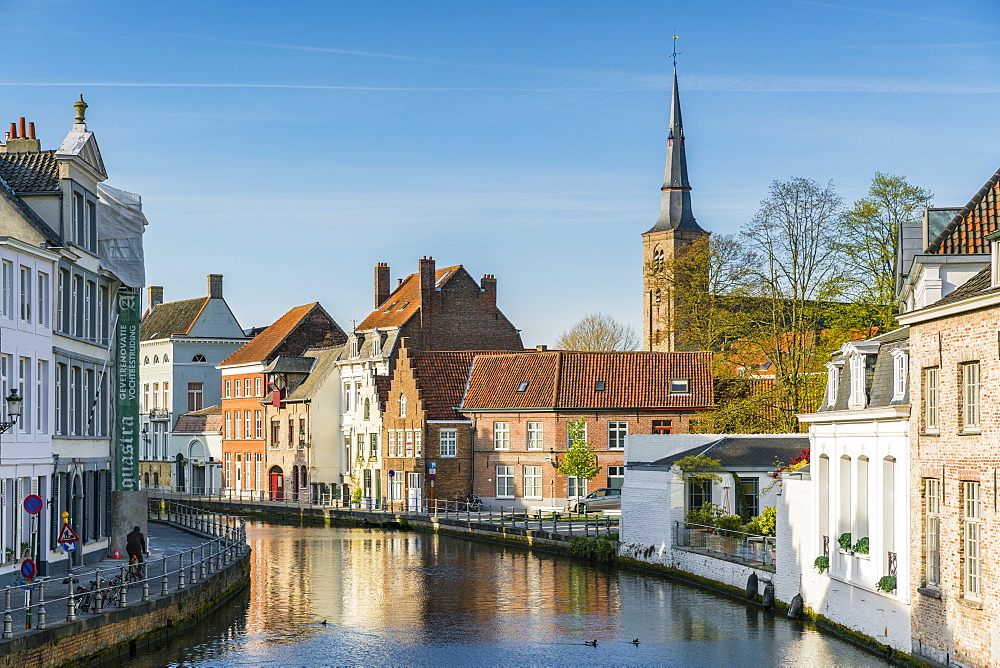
(845, 541)
(822, 564)
(887, 584)
(861, 547)
(356, 498)
(25, 550)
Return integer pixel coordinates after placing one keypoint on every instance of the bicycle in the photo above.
(136, 572)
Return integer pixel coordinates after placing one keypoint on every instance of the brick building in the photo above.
(520, 405)
(246, 388)
(955, 453)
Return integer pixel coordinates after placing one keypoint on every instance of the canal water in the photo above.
(404, 598)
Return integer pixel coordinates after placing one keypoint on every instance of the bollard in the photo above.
(180, 571)
(8, 621)
(71, 601)
(164, 584)
(193, 578)
(122, 591)
(98, 597)
(41, 606)
(143, 570)
(201, 563)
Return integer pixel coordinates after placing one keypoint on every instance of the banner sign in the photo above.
(127, 391)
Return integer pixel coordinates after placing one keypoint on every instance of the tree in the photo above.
(580, 462)
(868, 242)
(598, 331)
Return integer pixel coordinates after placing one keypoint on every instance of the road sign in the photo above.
(392, 474)
(432, 476)
(432, 467)
(33, 503)
(67, 535)
(69, 547)
(28, 569)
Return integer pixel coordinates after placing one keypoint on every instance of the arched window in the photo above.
(402, 405)
(156, 479)
(166, 359)
(844, 482)
(368, 408)
(146, 360)
(199, 358)
(156, 359)
(147, 479)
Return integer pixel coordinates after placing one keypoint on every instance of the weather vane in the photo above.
(675, 54)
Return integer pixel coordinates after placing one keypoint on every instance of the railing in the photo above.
(746, 547)
(159, 414)
(583, 524)
(114, 587)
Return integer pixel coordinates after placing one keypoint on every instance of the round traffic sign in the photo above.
(392, 473)
(28, 569)
(33, 503)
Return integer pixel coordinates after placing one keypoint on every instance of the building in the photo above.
(434, 309)
(71, 243)
(198, 436)
(246, 387)
(849, 507)
(954, 452)
(521, 405)
(674, 228)
(180, 345)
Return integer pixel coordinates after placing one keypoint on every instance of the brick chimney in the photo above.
(215, 286)
(21, 138)
(489, 287)
(427, 299)
(155, 293)
(382, 281)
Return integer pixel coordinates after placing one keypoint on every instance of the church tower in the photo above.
(675, 228)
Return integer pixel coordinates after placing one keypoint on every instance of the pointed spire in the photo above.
(675, 204)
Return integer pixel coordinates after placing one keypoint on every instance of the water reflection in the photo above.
(405, 598)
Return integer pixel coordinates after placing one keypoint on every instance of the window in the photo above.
(932, 532)
(229, 425)
(247, 428)
(91, 225)
(23, 388)
(680, 386)
(972, 561)
(291, 436)
(347, 397)
(522, 387)
(90, 313)
(599, 386)
(418, 447)
(102, 312)
(79, 222)
(355, 351)
(505, 482)
(302, 434)
(970, 396)
(449, 442)
(501, 436)
(229, 388)
(616, 477)
(44, 310)
(167, 404)
(576, 430)
(409, 443)
(156, 359)
(64, 297)
(196, 396)
(832, 383)
(662, 426)
(617, 431)
(238, 424)
(237, 387)
(25, 294)
(258, 385)
(275, 433)
(247, 382)
(8, 289)
(900, 362)
(200, 358)
(373, 444)
(78, 306)
(258, 425)
(42, 397)
(368, 409)
(931, 399)
(376, 344)
(576, 487)
(156, 395)
(392, 443)
(532, 482)
(699, 493)
(750, 489)
(534, 436)
(402, 405)
(861, 500)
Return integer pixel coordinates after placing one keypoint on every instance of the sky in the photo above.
(291, 146)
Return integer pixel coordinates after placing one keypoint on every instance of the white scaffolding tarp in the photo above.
(121, 224)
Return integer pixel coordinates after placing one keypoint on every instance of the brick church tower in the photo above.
(675, 228)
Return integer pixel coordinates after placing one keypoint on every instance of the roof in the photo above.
(404, 302)
(382, 385)
(879, 374)
(30, 172)
(442, 377)
(966, 233)
(747, 451)
(978, 284)
(570, 380)
(29, 214)
(292, 364)
(170, 318)
(263, 346)
(207, 419)
(321, 363)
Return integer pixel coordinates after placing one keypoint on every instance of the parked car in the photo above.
(608, 498)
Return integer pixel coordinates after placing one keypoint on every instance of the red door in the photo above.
(277, 486)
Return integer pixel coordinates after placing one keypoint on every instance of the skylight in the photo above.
(523, 386)
(405, 304)
(391, 306)
(599, 386)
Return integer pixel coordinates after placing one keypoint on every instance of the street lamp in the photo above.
(553, 459)
(14, 403)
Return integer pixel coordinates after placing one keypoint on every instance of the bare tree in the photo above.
(598, 331)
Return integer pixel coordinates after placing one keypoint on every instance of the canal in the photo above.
(408, 598)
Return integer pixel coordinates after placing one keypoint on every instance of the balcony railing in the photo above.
(734, 545)
(159, 414)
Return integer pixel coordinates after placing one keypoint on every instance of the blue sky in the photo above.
(291, 146)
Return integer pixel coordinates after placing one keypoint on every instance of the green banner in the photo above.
(127, 391)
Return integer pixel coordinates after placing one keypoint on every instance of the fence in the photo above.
(120, 586)
(746, 547)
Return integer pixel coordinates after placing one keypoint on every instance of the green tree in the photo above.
(598, 331)
(868, 240)
(580, 462)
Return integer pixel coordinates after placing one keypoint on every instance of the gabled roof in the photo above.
(30, 172)
(207, 419)
(404, 302)
(29, 214)
(321, 364)
(966, 233)
(571, 380)
(978, 284)
(265, 345)
(746, 451)
(171, 318)
(442, 377)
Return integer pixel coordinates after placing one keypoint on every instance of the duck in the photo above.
(591, 643)
(635, 641)
(324, 623)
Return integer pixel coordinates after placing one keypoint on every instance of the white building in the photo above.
(851, 508)
(180, 345)
(197, 436)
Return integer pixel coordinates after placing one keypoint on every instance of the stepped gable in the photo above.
(442, 377)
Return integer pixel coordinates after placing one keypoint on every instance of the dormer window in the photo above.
(858, 398)
(522, 387)
(832, 382)
(355, 352)
(376, 343)
(680, 386)
(900, 368)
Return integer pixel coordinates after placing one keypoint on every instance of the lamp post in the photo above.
(14, 403)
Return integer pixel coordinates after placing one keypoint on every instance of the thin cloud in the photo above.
(417, 89)
(957, 45)
(900, 15)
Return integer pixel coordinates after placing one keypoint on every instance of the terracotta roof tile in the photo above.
(571, 380)
(404, 302)
(967, 231)
(262, 346)
(30, 172)
(441, 377)
(207, 419)
(171, 318)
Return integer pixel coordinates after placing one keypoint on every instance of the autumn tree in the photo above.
(598, 331)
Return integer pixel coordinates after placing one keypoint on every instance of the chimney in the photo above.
(155, 295)
(31, 131)
(21, 138)
(541, 347)
(13, 131)
(427, 289)
(21, 132)
(214, 286)
(381, 283)
(489, 288)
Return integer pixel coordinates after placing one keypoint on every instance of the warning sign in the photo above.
(67, 535)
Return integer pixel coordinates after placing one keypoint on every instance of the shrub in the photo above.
(706, 515)
(729, 524)
(861, 547)
(765, 523)
(599, 550)
(887, 584)
(356, 495)
(822, 564)
(845, 541)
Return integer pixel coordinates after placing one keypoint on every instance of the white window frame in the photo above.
(501, 435)
(617, 431)
(229, 425)
(832, 382)
(932, 532)
(971, 397)
(616, 473)
(505, 482)
(932, 408)
(392, 442)
(972, 534)
(258, 425)
(402, 405)
(229, 388)
(680, 386)
(857, 398)
(535, 434)
(532, 481)
(448, 439)
(900, 373)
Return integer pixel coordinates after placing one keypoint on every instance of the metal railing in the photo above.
(91, 592)
(751, 548)
(583, 524)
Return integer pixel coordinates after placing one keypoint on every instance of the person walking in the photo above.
(135, 545)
